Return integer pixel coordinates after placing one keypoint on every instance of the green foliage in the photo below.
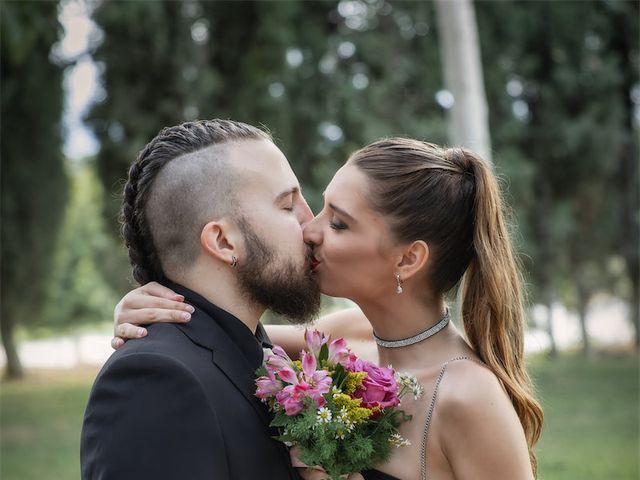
(145, 52)
(561, 117)
(78, 291)
(325, 82)
(291, 66)
(366, 445)
(33, 180)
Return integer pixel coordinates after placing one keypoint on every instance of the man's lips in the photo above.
(314, 263)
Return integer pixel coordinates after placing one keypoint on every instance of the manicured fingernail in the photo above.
(179, 297)
(119, 342)
(142, 332)
(190, 309)
(186, 316)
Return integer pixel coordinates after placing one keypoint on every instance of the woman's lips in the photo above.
(314, 263)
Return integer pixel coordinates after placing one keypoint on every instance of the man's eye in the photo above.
(288, 209)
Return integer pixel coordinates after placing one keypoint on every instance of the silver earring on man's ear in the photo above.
(399, 289)
(234, 261)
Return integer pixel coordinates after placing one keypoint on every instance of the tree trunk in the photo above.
(460, 47)
(582, 295)
(548, 301)
(545, 255)
(14, 366)
(635, 310)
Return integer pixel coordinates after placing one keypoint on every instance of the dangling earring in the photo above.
(234, 261)
(399, 289)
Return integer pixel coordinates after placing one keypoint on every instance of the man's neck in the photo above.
(220, 288)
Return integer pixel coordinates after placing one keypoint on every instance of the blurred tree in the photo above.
(78, 292)
(566, 117)
(327, 77)
(151, 77)
(622, 44)
(34, 183)
(322, 76)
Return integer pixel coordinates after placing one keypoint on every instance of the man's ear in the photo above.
(414, 258)
(220, 239)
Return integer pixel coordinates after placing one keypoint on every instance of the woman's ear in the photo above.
(414, 258)
(220, 239)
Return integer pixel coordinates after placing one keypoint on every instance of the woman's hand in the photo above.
(150, 303)
(314, 473)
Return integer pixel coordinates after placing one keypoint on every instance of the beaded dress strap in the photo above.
(425, 434)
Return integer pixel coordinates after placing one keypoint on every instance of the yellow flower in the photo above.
(354, 412)
(353, 381)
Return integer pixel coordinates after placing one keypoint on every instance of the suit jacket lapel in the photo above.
(226, 355)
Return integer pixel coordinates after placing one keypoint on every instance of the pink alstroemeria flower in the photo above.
(339, 353)
(291, 398)
(314, 340)
(309, 383)
(279, 359)
(281, 364)
(268, 386)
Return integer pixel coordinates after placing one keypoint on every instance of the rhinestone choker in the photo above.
(405, 342)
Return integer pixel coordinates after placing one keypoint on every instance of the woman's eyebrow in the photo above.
(341, 211)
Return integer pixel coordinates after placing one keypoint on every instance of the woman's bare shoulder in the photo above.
(477, 415)
(468, 387)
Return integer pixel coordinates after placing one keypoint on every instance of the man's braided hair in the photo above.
(170, 144)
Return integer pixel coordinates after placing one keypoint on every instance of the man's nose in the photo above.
(305, 215)
(311, 233)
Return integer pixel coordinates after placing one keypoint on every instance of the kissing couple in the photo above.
(218, 231)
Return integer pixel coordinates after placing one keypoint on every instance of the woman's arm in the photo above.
(350, 324)
(153, 303)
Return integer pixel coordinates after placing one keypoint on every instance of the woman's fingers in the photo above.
(144, 316)
(295, 461)
(312, 474)
(150, 303)
(140, 301)
(155, 289)
(127, 331)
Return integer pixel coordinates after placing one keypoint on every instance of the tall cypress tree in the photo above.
(33, 179)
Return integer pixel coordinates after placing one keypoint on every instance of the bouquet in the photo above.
(342, 412)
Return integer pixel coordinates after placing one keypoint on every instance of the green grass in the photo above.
(40, 422)
(590, 433)
(591, 418)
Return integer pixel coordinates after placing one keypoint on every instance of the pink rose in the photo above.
(379, 388)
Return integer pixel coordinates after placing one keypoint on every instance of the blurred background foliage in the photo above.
(325, 77)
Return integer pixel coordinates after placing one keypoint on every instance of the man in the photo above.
(212, 210)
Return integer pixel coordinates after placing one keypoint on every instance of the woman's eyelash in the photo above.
(337, 225)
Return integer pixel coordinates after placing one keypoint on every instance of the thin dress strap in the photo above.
(425, 434)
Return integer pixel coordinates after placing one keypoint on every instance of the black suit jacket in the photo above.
(180, 404)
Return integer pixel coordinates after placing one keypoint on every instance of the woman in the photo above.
(403, 223)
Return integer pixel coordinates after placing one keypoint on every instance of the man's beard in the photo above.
(275, 283)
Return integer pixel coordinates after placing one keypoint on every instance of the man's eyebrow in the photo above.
(341, 212)
(286, 193)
